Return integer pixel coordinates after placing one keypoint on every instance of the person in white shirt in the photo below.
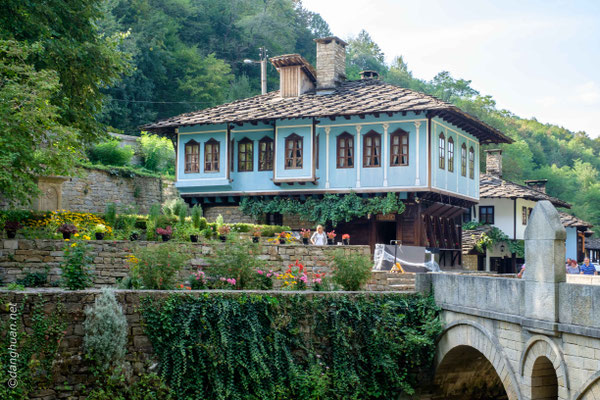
(319, 238)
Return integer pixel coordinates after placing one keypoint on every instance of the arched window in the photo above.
(211, 156)
(372, 150)
(463, 160)
(345, 150)
(293, 152)
(442, 151)
(245, 155)
(450, 154)
(192, 157)
(265, 154)
(471, 163)
(399, 148)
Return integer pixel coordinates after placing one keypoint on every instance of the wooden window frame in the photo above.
(487, 214)
(524, 215)
(471, 163)
(191, 166)
(400, 134)
(246, 148)
(368, 159)
(214, 164)
(348, 141)
(442, 151)
(266, 154)
(295, 139)
(463, 160)
(450, 146)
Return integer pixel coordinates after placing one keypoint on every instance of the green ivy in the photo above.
(251, 346)
(332, 208)
(494, 236)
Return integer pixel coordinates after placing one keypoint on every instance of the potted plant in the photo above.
(194, 237)
(346, 239)
(305, 233)
(11, 228)
(223, 232)
(256, 234)
(67, 230)
(165, 233)
(283, 237)
(135, 235)
(100, 230)
(331, 237)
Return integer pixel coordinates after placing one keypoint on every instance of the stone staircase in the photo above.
(402, 282)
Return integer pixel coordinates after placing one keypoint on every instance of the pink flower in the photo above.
(269, 275)
(259, 272)
(231, 281)
(222, 279)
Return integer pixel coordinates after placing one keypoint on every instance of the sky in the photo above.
(535, 58)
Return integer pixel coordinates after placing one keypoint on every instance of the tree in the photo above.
(363, 54)
(68, 42)
(33, 141)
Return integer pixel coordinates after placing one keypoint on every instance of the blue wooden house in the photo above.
(320, 133)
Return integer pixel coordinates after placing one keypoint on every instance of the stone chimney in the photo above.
(538, 184)
(331, 63)
(369, 74)
(296, 75)
(493, 163)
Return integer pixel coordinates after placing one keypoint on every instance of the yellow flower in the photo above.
(74, 245)
(66, 240)
(86, 237)
(76, 235)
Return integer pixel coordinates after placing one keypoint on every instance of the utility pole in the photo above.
(262, 55)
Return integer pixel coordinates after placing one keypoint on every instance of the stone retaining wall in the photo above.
(95, 188)
(20, 256)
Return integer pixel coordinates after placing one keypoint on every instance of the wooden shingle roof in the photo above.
(592, 243)
(351, 98)
(569, 220)
(494, 187)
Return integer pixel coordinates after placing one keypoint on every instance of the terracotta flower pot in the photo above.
(99, 235)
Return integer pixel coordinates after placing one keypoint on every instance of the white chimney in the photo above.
(331, 63)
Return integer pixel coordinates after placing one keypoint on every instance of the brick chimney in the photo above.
(493, 163)
(537, 184)
(331, 63)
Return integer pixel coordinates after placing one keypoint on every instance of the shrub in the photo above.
(156, 267)
(197, 217)
(111, 153)
(237, 260)
(105, 331)
(271, 230)
(76, 267)
(110, 214)
(34, 279)
(158, 153)
(351, 271)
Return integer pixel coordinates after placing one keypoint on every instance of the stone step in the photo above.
(403, 288)
(400, 280)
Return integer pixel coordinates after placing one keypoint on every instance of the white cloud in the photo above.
(587, 93)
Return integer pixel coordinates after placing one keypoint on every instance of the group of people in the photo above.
(587, 268)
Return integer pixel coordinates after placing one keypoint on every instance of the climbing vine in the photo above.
(291, 347)
(332, 208)
(494, 236)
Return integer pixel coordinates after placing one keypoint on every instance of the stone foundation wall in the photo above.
(20, 256)
(469, 262)
(231, 214)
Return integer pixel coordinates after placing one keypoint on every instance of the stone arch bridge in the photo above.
(531, 338)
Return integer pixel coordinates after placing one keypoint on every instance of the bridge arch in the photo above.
(590, 389)
(543, 369)
(470, 340)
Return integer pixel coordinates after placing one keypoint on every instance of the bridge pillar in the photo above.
(545, 268)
